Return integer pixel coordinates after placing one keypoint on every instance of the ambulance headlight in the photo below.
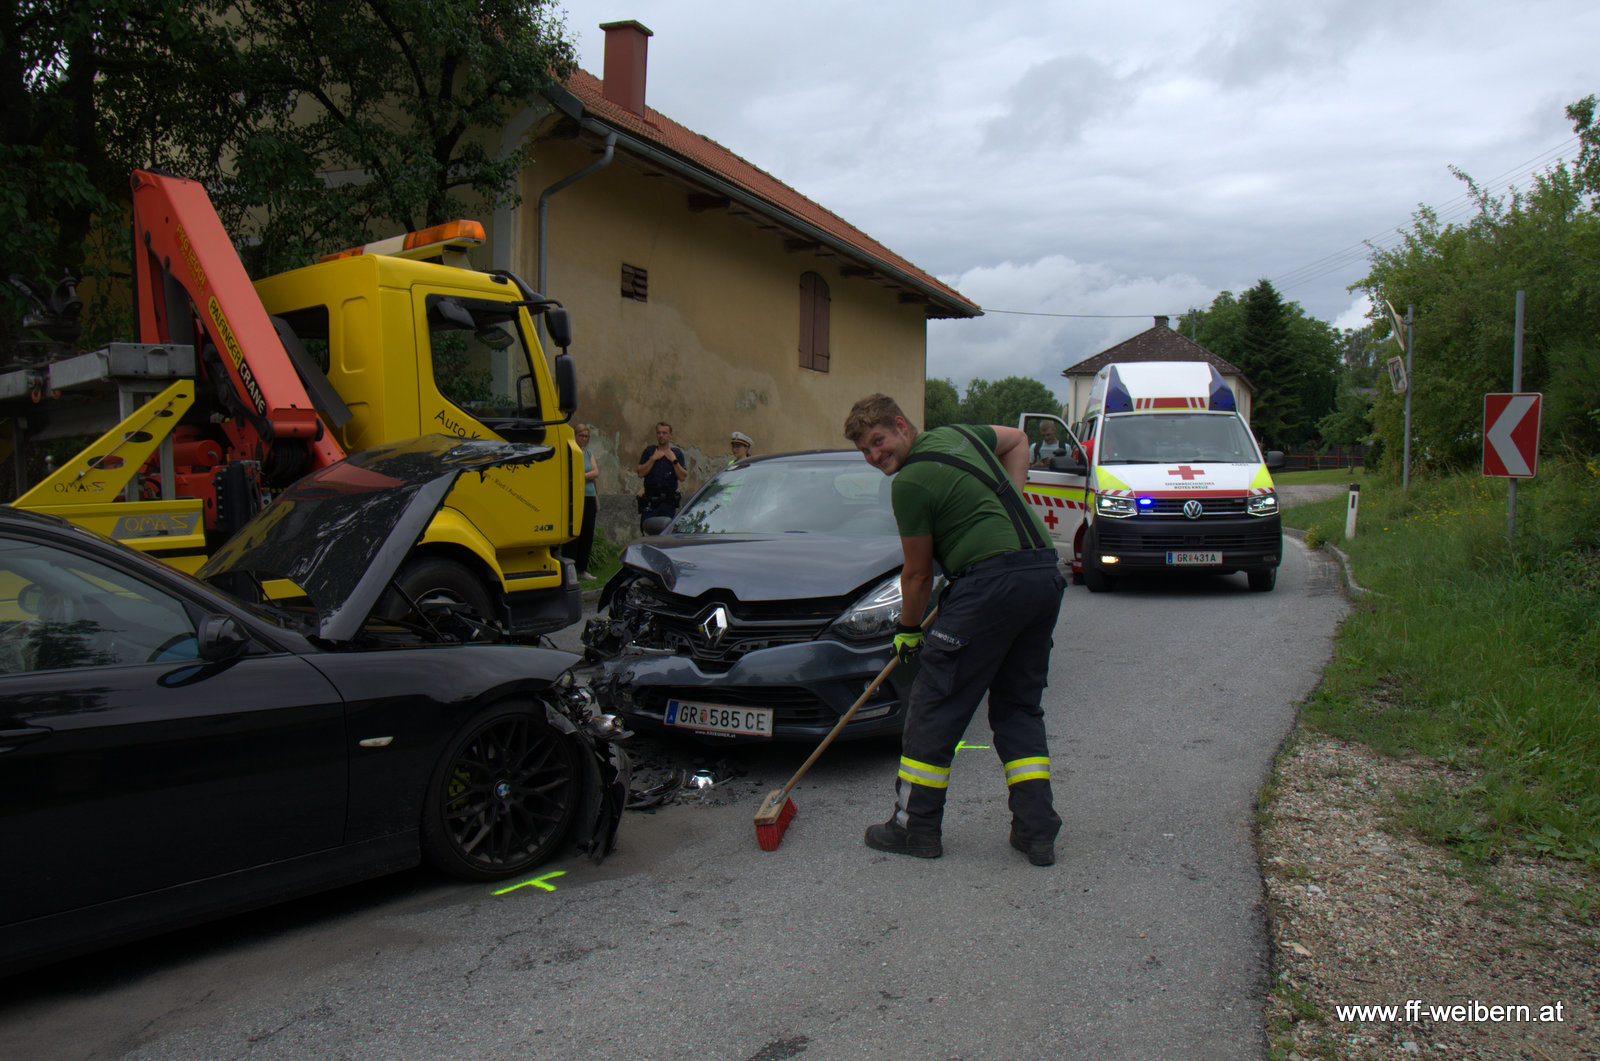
(1115, 507)
(1263, 505)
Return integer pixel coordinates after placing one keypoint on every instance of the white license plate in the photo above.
(1200, 558)
(715, 718)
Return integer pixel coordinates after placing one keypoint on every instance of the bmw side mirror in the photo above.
(657, 524)
(220, 637)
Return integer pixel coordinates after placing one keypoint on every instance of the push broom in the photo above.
(778, 810)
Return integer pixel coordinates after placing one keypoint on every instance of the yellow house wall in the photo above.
(716, 347)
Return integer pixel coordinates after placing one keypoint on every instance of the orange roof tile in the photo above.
(705, 154)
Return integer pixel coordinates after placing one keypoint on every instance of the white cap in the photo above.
(740, 436)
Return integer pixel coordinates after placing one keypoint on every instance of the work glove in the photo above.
(908, 643)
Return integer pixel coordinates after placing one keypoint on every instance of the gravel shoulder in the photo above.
(1363, 912)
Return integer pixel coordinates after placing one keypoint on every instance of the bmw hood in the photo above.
(766, 567)
(341, 533)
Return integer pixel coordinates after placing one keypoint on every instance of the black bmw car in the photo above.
(763, 610)
(170, 752)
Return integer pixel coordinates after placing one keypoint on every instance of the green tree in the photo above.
(263, 101)
(405, 97)
(941, 405)
(1003, 401)
(1463, 280)
(1291, 361)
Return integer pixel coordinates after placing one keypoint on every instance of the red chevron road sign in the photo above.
(1511, 434)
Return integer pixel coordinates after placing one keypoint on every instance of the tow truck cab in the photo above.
(417, 347)
(1161, 473)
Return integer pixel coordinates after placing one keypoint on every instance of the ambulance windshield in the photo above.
(1162, 438)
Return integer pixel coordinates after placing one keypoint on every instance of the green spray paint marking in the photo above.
(537, 882)
(963, 744)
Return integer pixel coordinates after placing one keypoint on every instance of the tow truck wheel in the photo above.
(439, 581)
(503, 797)
(1262, 581)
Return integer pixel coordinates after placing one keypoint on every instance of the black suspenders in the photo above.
(1027, 533)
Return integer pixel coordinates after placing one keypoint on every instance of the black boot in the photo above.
(1039, 852)
(894, 837)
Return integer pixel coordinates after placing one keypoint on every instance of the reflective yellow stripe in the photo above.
(924, 773)
(1104, 480)
(1034, 769)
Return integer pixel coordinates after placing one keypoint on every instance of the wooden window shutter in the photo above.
(635, 283)
(814, 312)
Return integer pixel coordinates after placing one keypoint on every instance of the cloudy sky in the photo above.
(1076, 168)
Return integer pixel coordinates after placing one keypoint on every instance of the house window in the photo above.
(635, 283)
(813, 322)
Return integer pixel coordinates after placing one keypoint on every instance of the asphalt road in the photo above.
(1146, 940)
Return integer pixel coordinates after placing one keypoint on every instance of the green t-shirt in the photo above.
(967, 520)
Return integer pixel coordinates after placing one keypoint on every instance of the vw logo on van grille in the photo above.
(715, 626)
(1192, 508)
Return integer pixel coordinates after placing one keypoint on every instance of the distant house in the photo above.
(703, 291)
(1157, 343)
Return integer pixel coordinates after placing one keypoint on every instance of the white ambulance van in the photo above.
(1161, 474)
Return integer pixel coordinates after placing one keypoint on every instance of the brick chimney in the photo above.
(1161, 322)
(623, 82)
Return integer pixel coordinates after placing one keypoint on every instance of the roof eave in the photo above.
(937, 304)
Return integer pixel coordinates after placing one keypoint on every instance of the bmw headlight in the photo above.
(1263, 505)
(1115, 506)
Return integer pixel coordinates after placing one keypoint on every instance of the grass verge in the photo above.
(1477, 650)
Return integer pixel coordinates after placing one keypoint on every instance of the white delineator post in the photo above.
(1350, 513)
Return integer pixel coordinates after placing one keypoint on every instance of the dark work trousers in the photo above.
(579, 548)
(993, 634)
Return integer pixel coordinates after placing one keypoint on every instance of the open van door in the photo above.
(1057, 473)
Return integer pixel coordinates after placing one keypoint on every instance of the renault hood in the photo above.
(767, 567)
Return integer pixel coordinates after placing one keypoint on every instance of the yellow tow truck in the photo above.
(237, 389)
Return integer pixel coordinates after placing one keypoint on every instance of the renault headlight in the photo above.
(877, 614)
(1263, 505)
(873, 615)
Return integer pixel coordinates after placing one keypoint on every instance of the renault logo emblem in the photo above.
(715, 626)
(1192, 509)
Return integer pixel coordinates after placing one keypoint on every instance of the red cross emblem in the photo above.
(1050, 519)
(1187, 472)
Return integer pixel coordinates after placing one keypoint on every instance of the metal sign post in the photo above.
(1402, 381)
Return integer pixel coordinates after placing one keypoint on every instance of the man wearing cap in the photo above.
(740, 444)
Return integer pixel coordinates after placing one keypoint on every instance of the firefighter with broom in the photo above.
(957, 497)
